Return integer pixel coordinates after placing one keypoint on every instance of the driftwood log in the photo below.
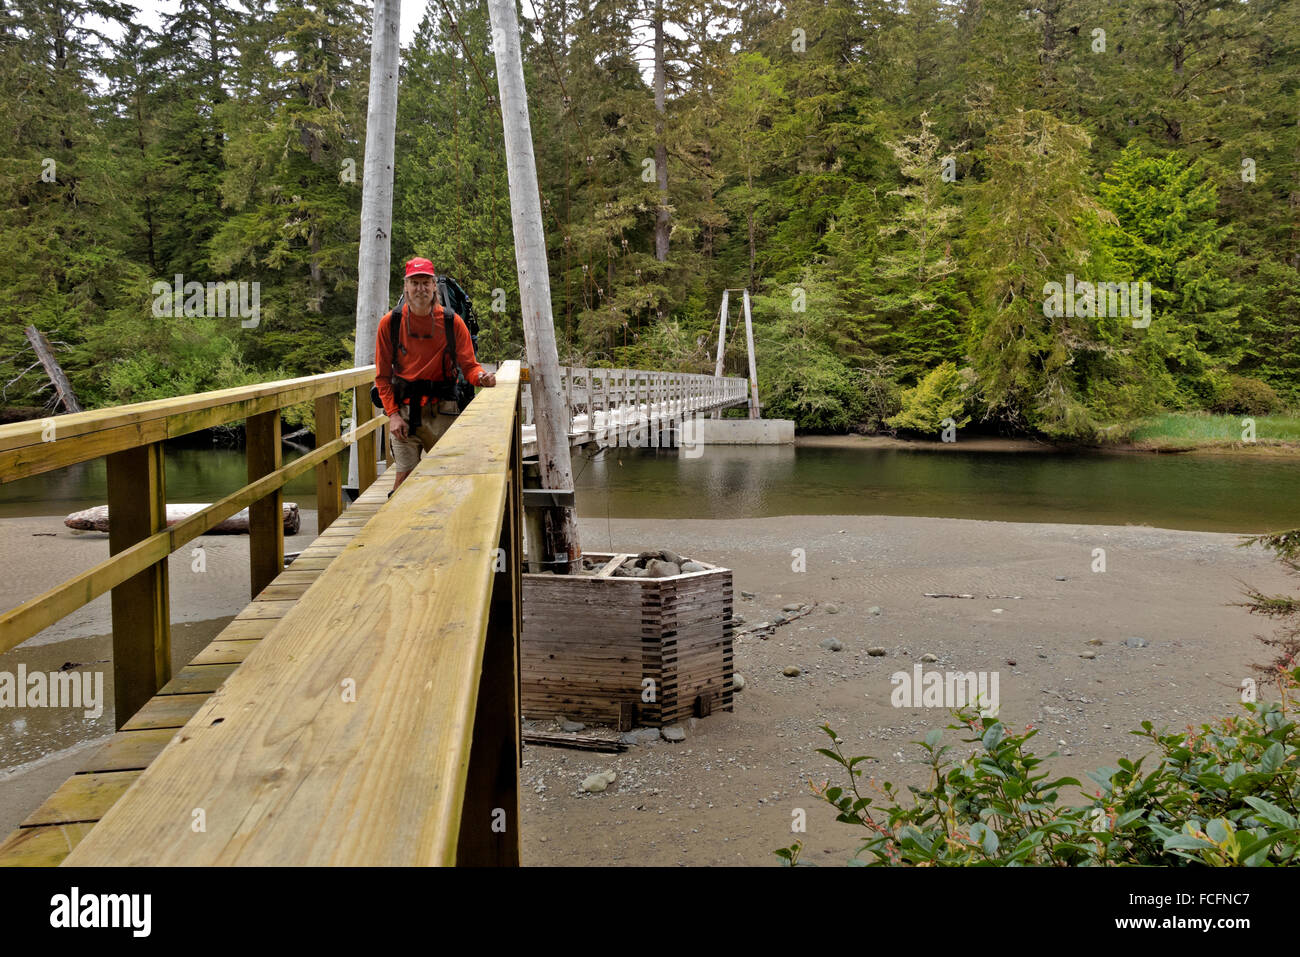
(96, 519)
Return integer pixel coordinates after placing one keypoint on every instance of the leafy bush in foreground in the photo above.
(1224, 795)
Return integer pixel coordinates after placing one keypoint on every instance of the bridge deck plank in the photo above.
(45, 846)
(82, 798)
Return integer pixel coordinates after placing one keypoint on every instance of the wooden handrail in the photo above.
(20, 623)
(131, 438)
(377, 722)
(28, 448)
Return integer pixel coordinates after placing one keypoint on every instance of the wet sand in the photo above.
(729, 793)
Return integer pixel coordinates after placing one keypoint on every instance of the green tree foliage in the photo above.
(293, 217)
(65, 225)
(1026, 232)
(922, 170)
(800, 377)
(938, 401)
(918, 316)
(1165, 232)
(450, 201)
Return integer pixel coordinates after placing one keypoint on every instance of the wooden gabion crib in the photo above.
(625, 651)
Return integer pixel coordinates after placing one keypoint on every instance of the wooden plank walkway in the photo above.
(50, 832)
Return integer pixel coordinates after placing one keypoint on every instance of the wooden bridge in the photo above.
(364, 707)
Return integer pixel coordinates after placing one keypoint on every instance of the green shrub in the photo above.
(942, 394)
(1224, 795)
(1241, 395)
(819, 391)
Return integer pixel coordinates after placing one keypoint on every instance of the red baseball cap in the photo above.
(419, 267)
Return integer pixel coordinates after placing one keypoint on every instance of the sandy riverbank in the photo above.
(726, 795)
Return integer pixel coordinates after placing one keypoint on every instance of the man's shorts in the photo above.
(406, 452)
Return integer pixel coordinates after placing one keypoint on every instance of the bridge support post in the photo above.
(551, 410)
(489, 821)
(367, 446)
(534, 524)
(142, 651)
(266, 515)
(329, 492)
(722, 343)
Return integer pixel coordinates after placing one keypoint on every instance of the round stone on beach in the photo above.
(832, 609)
(674, 732)
(929, 659)
(873, 610)
(832, 644)
(595, 783)
(877, 652)
(737, 681)
(791, 671)
(793, 606)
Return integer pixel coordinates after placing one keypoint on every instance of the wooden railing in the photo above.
(378, 721)
(131, 438)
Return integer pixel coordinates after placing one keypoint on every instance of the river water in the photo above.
(1199, 492)
(1220, 493)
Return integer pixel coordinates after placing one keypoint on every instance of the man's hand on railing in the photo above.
(487, 380)
(397, 426)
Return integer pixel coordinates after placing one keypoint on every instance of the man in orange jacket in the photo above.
(423, 361)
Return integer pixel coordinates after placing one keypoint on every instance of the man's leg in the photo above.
(433, 425)
(406, 452)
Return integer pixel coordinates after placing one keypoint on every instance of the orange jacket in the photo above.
(424, 338)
